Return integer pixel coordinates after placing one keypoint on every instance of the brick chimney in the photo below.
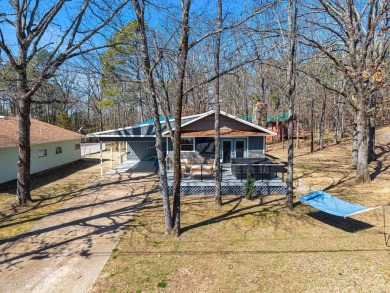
(259, 115)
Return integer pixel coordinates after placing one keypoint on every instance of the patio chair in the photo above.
(202, 171)
(184, 161)
(183, 169)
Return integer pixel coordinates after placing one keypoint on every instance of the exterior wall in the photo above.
(272, 127)
(206, 148)
(9, 158)
(256, 146)
(141, 148)
(207, 123)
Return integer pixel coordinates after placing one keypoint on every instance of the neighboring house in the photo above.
(51, 146)
(277, 124)
(239, 138)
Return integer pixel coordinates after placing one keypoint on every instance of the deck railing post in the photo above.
(201, 172)
(262, 173)
(241, 172)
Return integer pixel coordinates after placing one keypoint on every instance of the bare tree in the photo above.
(218, 199)
(32, 23)
(291, 81)
(139, 6)
(355, 38)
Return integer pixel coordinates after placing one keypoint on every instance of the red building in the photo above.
(277, 125)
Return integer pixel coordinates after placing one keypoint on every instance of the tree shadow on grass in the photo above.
(105, 224)
(40, 202)
(233, 213)
(381, 150)
(64, 210)
(45, 177)
(346, 224)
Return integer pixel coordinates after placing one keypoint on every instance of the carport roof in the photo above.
(144, 129)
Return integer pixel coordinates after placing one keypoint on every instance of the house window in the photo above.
(187, 144)
(42, 153)
(58, 150)
(77, 146)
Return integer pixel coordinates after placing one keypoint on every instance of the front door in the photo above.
(226, 150)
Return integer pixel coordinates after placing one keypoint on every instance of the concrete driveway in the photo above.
(66, 251)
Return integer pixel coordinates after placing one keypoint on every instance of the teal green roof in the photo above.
(270, 118)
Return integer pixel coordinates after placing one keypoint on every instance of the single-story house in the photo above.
(51, 146)
(243, 148)
(239, 138)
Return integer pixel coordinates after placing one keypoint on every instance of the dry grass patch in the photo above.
(49, 191)
(247, 247)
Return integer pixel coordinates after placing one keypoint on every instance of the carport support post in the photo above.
(101, 158)
(120, 154)
(111, 155)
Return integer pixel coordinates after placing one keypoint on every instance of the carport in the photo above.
(140, 142)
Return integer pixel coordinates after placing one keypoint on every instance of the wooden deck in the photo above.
(229, 185)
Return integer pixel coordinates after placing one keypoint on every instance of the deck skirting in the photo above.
(228, 190)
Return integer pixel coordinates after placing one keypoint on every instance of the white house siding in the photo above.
(9, 158)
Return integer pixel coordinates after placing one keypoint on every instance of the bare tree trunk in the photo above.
(291, 80)
(24, 163)
(218, 199)
(341, 131)
(336, 120)
(185, 29)
(371, 130)
(354, 155)
(362, 172)
(371, 139)
(312, 126)
(322, 122)
(163, 182)
(298, 129)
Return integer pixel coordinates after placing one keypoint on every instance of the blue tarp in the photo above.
(331, 205)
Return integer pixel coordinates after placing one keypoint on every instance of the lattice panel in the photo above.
(230, 190)
(227, 190)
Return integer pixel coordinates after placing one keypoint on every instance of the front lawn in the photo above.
(247, 247)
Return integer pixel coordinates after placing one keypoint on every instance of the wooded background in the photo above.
(104, 89)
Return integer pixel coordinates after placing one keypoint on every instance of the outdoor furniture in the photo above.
(183, 169)
(259, 168)
(202, 171)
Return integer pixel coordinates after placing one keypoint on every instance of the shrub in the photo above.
(249, 186)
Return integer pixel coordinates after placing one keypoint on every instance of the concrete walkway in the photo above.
(66, 251)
